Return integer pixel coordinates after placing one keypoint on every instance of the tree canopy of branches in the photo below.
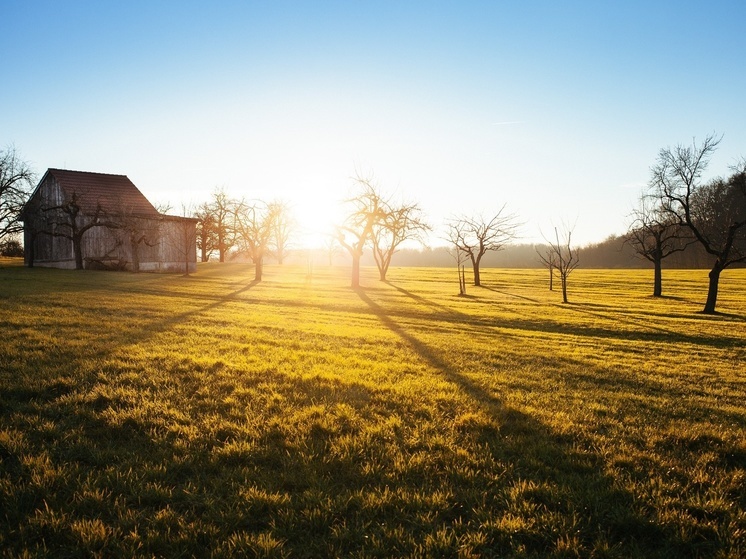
(222, 212)
(396, 225)
(254, 223)
(654, 235)
(367, 209)
(564, 256)
(140, 231)
(476, 236)
(207, 232)
(67, 221)
(714, 212)
(16, 183)
(283, 229)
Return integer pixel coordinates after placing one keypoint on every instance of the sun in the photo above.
(316, 218)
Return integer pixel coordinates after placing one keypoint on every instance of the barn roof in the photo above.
(112, 193)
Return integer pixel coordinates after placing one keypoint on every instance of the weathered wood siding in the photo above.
(47, 249)
(178, 245)
(170, 246)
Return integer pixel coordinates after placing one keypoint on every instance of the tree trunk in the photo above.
(78, 252)
(564, 288)
(383, 269)
(551, 278)
(712, 292)
(658, 279)
(475, 266)
(258, 269)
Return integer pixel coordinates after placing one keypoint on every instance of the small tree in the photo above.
(223, 211)
(547, 258)
(16, 183)
(565, 257)
(283, 229)
(397, 224)
(254, 226)
(367, 210)
(207, 232)
(477, 236)
(11, 247)
(655, 235)
(714, 212)
(461, 258)
(331, 247)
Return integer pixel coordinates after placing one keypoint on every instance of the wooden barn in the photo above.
(76, 219)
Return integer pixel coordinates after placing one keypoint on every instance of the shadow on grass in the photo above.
(564, 479)
(508, 294)
(430, 304)
(547, 325)
(156, 326)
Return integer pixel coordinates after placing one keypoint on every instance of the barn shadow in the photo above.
(541, 457)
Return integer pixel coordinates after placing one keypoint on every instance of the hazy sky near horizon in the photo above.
(557, 109)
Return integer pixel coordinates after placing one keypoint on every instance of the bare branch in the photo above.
(475, 236)
(16, 183)
(714, 212)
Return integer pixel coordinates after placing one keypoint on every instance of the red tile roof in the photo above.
(112, 193)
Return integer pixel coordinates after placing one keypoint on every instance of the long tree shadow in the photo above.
(546, 324)
(430, 304)
(161, 325)
(542, 458)
(508, 294)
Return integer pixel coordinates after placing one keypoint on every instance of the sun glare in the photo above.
(316, 220)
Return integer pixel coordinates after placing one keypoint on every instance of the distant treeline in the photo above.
(612, 252)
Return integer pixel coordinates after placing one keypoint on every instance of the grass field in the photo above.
(209, 416)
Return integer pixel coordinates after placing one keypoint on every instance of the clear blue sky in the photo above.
(556, 108)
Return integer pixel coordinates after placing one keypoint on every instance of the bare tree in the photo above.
(67, 220)
(283, 228)
(139, 230)
(655, 235)
(331, 247)
(16, 183)
(207, 232)
(477, 236)
(254, 227)
(714, 212)
(397, 224)
(367, 209)
(223, 210)
(547, 258)
(461, 258)
(565, 257)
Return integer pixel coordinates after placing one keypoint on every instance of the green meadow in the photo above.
(210, 416)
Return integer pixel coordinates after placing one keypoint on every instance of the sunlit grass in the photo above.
(146, 415)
